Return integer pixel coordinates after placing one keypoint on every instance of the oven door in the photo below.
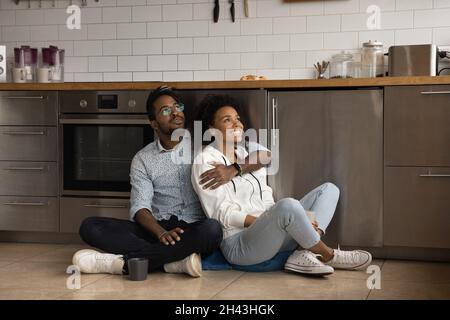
(97, 151)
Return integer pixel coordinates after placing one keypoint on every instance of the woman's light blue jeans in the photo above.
(284, 227)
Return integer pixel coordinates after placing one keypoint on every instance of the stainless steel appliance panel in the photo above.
(413, 60)
(75, 210)
(29, 214)
(417, 125)
(28, 143)
(333, 136)
(28, 178)
(416, 211)
(38, 108)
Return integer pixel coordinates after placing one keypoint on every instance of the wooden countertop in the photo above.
(267, 84)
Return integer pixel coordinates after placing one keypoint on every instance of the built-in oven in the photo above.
(100, 132)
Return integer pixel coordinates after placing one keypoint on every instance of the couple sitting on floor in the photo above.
(227, 182)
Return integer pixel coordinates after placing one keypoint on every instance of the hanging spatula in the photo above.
(216, 10)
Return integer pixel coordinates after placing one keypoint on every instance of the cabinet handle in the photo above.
(25, 169)
(105, 206)
(26, 97)
(274, 122)
(24, 133)
(429, 175)
(31, 204)
(435, 92)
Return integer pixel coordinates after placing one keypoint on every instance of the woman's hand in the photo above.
(169, 237)
(316, 227)
(217, 176)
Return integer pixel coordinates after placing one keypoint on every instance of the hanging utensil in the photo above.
(246, 8)
(216, 10)
(232, 10)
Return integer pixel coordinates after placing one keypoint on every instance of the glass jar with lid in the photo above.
(372, 59)
(342, 65)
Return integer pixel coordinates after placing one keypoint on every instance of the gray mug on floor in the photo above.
(138, 269)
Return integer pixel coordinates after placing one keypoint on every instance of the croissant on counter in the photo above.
(253, 77)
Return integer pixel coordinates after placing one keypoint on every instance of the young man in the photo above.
(167, 225)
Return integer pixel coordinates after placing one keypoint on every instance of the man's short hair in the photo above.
(154, 95)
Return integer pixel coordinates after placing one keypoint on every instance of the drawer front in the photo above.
(28, 143)
(75, 210)
(19, 108)
(417, 207)
(28, 178)
(417, 126)
(29, 214)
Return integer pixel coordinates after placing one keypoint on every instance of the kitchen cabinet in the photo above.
(28, 161)
(333, 136)
(417, 166)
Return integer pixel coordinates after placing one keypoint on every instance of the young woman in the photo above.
(255, 227)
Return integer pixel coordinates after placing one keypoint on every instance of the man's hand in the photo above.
(217, 176)
(169, 237)
(316, 227)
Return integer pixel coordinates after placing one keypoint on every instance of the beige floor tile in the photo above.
(359, 274)
(20, 251)
(408, 290)
(28, 294)
(428, 272)
(63, 254)
(40, 276)
(287, 286)
(157, 286)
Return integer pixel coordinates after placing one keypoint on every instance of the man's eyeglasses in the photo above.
(168, 110)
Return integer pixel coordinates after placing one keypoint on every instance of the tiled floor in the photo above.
(37, 271)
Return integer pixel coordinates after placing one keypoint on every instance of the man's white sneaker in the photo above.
(350, 260)
(91, 261)
(304, 261)
(192, 265)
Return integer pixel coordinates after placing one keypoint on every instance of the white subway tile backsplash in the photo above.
(119, 14)
(334, 7)
(313, 57)
(88, 77)
(305, 73)
(289, 25)
(237, 74)
(117, 76)
(179, 45)
(386, 37)
(89, 15)
(193, 62)
(307, 41)
(356, 22)
(273, 43)
(7, 18)
(131, 31)
(441, 36)
(310, 8)
(413, 36)
(397, 20)
(147, 46)
(240, 44)
(253, 26)
(88, 48)
(147, 14)
(270, 8)
(329, 23)
(13, 33)
(68, 46)
(384, 5)
(117, 47)
(257, 60)
(147, 76)
(162, 63)
(413, 4)
(209, 44)
(193, 28)
(274, 74)
(100, 31)
(178, 12)
(224, 61)
(432, 18)
(341, 40)
(76, 64)
(441, 4)
(211, 75)
(44, 33)
(178, 76)
(102, 64)
(29, 17)
(132, 63)
(289, 60)
(225, 28)
(203, 11)
(75, 34)
(131, 2)
(161, 29)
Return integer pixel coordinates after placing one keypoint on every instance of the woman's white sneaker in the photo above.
(91, 261)
(350, 260)
(304, 261)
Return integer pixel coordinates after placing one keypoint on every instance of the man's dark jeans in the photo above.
(132, 241)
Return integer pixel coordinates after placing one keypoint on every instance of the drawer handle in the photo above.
(31, 204)
(25, 169)
(24, 133)
(435, 92)
(26, 97)
(105, 206)
(429, 175)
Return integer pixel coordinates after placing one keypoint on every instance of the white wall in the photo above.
(145, 40)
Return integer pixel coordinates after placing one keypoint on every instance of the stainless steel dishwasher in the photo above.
(333, 136)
